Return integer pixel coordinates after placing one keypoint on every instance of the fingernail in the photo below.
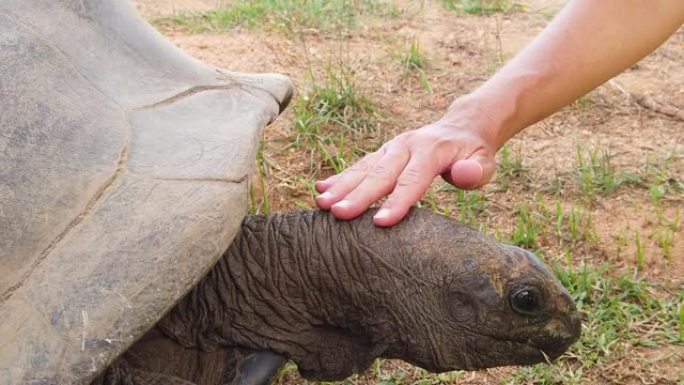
(382, 214)
(325, 196)
(479, 179)
(343, 204)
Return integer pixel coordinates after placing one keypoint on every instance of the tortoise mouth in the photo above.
(529, 352)
(555, 345)
(519, 353)
(547, 349)
(553, 348)
(525, 353)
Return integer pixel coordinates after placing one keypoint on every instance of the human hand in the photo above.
(585, 45)
(402, 169)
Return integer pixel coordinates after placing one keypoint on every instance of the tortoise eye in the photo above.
(526, 300)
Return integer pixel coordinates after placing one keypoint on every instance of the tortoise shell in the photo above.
(124, 166)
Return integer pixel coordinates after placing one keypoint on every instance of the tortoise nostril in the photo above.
(560, 333)
(575, 326)
(573, 321)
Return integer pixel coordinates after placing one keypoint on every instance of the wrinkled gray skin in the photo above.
(334, 295)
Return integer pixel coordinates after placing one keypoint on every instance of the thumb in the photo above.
(471, 173)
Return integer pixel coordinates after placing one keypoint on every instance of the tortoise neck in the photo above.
(287, 283)
(310, 247)
(304, 262)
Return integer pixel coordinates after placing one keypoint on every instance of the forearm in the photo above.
(589, 42)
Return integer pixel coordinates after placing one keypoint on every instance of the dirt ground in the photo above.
(637, 118)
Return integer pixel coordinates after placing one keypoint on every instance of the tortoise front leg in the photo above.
(142, 377)
(158, 359)
(257, 368)
(122, 374)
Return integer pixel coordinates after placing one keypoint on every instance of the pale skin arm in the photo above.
(587, 43)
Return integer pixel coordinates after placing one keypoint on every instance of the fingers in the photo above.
(323, 185)
(415, 180)
(405, 168)
(377, 183)
(410, 187)
(471, 173)
(466, 174)
(338, 186)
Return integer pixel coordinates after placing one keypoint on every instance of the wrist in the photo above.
(485, 116)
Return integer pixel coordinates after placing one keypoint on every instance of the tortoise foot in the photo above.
(258, 368)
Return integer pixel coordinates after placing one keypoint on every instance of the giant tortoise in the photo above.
(123, 175)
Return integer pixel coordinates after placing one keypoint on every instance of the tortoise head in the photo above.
(472, 302)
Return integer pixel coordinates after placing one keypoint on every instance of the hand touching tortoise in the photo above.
(586, 44)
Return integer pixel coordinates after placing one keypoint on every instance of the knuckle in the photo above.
(408, 178)
(380, 172)
(396, 147)
(403, 141)
(363, 165)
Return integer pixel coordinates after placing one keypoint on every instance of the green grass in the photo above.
(511, 169)
(480, 7)
(619, 314)
(574, 227)
(244, 14)
(618, 309)
(621, 241)
(259, 202)
(661, 182)
(287, 16)
(664, 238)
(528, 228)
(413, 58)
(414, 63)
(666, 230)
(333, 116)
(583, 102)
(596, 173)
(681, 318)
(657, 192)
(335, 104)
(470, 205)
(640, 252)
